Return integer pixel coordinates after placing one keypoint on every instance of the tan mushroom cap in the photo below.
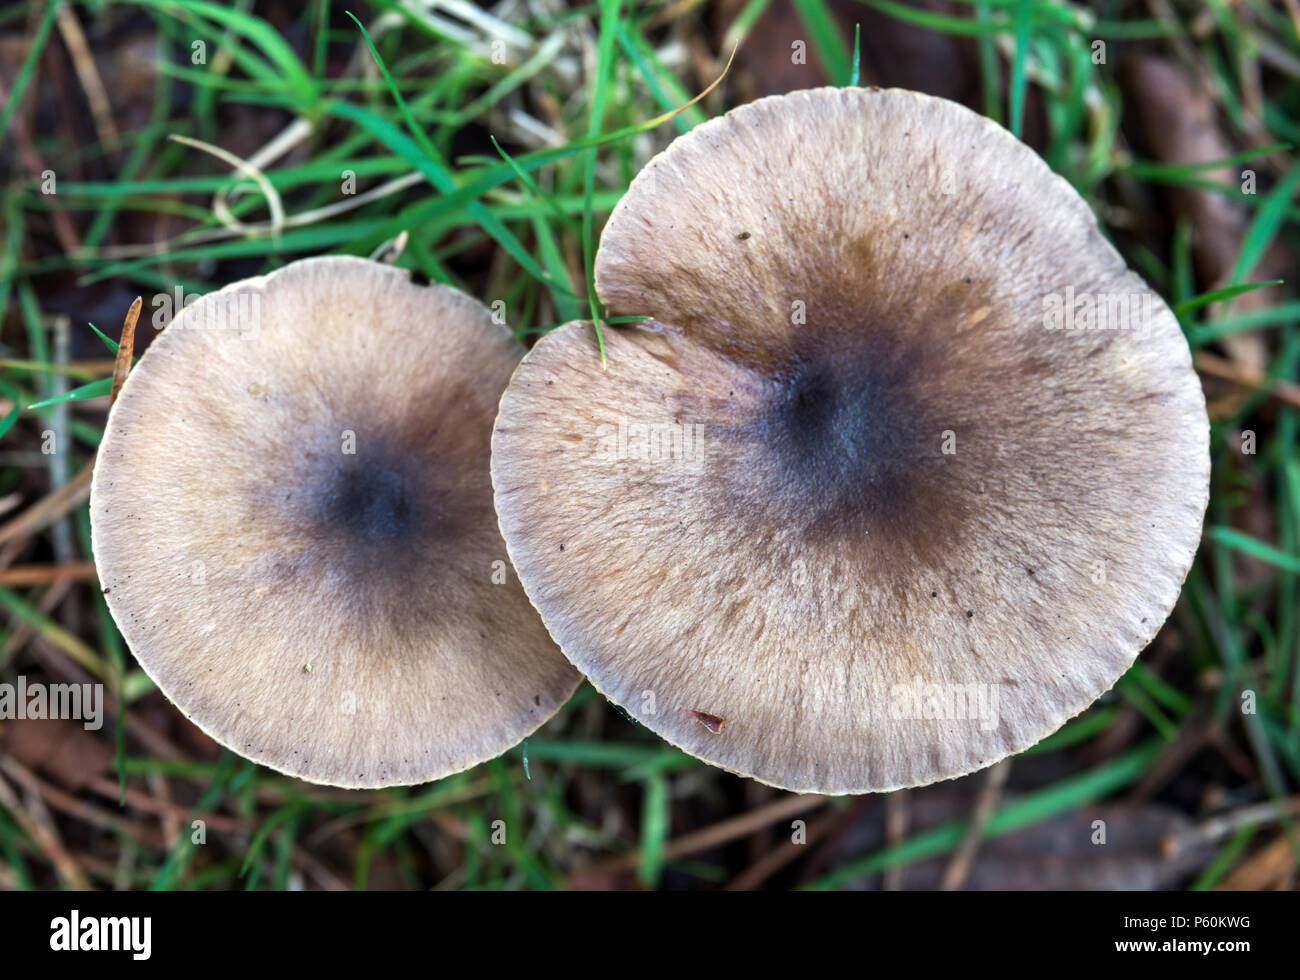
(292, 521)
(849, 515)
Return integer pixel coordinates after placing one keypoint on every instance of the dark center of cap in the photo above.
(843, 432)
(378, 504)
(837, 425)
(373, 502)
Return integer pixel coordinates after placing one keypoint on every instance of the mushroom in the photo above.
(871, 500)
(292, 520)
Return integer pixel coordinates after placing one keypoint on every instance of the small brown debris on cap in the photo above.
(712, 722)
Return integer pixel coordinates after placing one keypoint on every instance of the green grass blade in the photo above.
(95, 389)
(1265, 225)
(856, 74)
(1196, 302)
(1254, 547)
(1023, 26)
(1011, 816)
(28, 68)
(610, 20)
(654, 831)
(827, 42)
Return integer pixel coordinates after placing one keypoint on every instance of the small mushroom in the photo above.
(871, 485)
(292, 520)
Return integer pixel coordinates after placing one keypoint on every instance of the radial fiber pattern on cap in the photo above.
(292, 520)
(853, 511)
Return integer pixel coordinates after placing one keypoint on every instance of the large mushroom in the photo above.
(904, 471)
(292, 522)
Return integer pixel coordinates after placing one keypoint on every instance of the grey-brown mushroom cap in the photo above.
(856, 510)
(292, 521)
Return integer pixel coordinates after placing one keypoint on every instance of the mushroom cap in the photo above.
(849, 513)
(292, 520)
